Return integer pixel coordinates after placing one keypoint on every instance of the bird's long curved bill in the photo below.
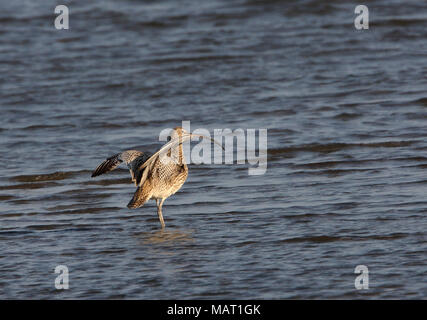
(202, 136)
(174, 143)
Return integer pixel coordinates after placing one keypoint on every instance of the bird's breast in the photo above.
(168, 179)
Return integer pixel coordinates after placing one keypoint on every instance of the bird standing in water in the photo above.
(156, 176)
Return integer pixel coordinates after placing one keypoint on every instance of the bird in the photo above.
(157, 176)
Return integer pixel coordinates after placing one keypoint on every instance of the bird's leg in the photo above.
(159, 212)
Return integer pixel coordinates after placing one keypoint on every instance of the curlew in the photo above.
(156, 176)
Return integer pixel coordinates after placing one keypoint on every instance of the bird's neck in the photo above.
(181, 158)
(177, 154)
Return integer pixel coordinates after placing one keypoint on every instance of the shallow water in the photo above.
(346, 181)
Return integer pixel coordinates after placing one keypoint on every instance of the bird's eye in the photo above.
(169, 138)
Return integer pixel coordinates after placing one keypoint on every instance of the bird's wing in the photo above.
(147, 166)
(134, 160)
(162, 155)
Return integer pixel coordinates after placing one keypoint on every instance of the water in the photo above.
(346, 180)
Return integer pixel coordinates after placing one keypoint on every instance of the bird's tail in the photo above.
(141, 196)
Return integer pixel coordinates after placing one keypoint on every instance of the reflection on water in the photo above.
(165, 236)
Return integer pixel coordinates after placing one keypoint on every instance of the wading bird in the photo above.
(156, 176)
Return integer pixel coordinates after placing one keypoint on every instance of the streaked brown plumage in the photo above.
(156, 176)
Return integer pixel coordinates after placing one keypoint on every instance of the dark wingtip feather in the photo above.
(106, 166)
(95, 173)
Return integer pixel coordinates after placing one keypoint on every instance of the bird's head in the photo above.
(177, 132)
(180, 134)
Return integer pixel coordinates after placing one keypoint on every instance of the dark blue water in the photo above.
(346, 182)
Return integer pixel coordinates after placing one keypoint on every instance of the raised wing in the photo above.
(162, 154)
(134, 160)
(150, 162)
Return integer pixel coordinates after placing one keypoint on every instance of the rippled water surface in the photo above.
(346, 184)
